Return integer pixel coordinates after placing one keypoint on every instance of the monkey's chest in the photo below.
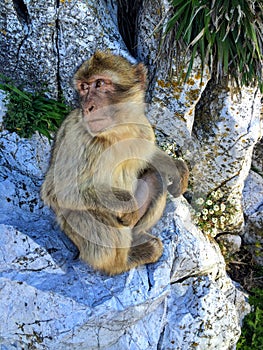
(123, 174)
(117, 165)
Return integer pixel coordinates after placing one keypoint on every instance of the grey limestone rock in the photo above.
(257, 157)
(253, 210)
(43, 43)
(215, 127)
(52, 300)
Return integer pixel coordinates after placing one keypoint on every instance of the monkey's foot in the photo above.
(145, 249)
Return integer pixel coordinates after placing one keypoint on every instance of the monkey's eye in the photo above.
(99, 83)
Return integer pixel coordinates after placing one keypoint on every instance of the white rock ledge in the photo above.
(51, 300)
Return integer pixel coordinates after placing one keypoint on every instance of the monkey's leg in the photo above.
(106, 245)
(145, 249)
(155, 201)
(151, 197)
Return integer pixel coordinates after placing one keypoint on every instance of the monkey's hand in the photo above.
(180, 179)
(129, 219)
(174, 172)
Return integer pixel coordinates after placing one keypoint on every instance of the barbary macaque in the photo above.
(107, 181)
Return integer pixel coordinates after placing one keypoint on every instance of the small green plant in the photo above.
(212, 214)
(28, 113)
(225, 33)
(252, 330)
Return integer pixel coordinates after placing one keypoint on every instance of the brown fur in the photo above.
(96, 182)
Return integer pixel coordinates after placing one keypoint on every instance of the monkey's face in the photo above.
(97, 102)
(107, 84)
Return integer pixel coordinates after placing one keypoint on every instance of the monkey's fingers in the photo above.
(178, 187)
(129, 219)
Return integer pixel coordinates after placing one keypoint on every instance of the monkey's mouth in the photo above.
(96, 124)
(94, 117)
(96, 121)
(92, 120)
(91, 109)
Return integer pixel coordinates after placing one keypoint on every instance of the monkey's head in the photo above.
(106, 83)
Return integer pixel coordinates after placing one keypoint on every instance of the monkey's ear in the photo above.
(141, 73)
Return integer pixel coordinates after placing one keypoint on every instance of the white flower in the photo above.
(199, 201)
(216, 207)
(196, 221)
(222, 207)
(192, 211)
(214, 220)
(232, 201)
(204, 217)
(222, 219)
(198, 214)
(211, 211)
(209, 202)
(214, 231)
(220, 194)
(205, 211)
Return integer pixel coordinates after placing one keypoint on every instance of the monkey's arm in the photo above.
(113, 199)
(174, 171)
(102, 199)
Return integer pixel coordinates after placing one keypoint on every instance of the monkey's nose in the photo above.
(91, 108)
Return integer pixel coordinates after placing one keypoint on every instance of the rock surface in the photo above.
(45, 42)
(227, 130)
(215, 127)
(257, 157)
(50, 300)
(253, 210)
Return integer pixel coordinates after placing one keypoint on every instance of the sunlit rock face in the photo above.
(52, 300)
(213, 126)
(42, 44)
(253, 210)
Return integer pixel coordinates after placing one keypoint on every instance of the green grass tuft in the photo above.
(252, 330)
(28, 112)
(225, 33)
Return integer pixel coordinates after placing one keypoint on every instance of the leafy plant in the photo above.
(227, 33)
(252, 330)
(28, 113)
